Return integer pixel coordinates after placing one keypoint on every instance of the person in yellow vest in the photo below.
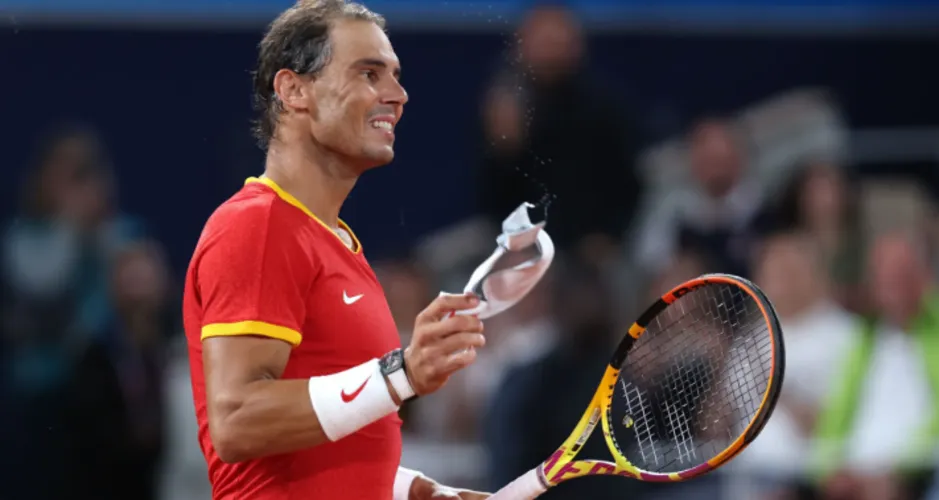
(879, 426)
(790, 268)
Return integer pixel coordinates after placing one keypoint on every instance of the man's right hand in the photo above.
(442, 344)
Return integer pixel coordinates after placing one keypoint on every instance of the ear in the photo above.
(292, 89)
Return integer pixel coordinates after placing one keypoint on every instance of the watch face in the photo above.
(393, 361)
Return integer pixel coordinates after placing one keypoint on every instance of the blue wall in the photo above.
(175, 107)
(476, 12)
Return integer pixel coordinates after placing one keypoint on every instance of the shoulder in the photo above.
(250, 206)
(254, 215)
(255, 230)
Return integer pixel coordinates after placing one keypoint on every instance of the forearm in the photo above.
(268, 417)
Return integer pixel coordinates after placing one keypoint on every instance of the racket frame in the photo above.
(561, 466)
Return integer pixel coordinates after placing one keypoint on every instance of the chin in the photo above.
(379, 157)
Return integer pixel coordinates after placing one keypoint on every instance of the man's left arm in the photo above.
(412, 485)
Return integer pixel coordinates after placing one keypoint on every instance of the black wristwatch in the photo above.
(392, 367)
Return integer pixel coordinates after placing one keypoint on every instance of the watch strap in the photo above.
(393, 368)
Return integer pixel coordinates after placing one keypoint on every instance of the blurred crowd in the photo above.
(87, 308)
(94, 384)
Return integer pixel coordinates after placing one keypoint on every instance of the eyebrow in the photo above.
(369, 61)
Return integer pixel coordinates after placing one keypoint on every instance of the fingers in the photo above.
(458, 361)
(457, 351)
(458, 342)
(442, 345)
(430, 363)
(429, 369)
(443, 305)
(429, 333)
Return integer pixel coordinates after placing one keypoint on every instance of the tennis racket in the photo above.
(688, 388)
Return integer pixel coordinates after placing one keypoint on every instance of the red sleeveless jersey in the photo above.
(265, 265)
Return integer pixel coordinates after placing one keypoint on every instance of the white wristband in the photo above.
(347, 401)
(403, 480)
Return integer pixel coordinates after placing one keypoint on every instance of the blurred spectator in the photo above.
(816, 331)
(116, 394)
(68, 229)
(821, 200)
(54, 273)
(878, 425)
(145, 319)
(721, 218)
(552, 133)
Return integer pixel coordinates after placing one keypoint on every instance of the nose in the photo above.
(395, 94)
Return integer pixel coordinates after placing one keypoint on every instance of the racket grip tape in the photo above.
(525, 487)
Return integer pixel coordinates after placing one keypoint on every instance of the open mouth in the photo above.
(383, 125)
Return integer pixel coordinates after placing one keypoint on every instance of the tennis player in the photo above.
(297, 367)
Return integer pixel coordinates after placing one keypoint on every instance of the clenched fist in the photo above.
(442, 343)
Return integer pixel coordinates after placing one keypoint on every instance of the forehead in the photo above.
(355, 39)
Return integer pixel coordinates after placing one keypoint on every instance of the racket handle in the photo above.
(526, 487)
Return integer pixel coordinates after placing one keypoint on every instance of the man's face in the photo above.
(550, 42)
(358, 99)
(74, 182)
(897, 278)
(716, 162)
(788, 272)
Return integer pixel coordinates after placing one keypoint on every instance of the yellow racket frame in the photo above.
(561, 466)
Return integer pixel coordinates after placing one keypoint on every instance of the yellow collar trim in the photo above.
(289, 198)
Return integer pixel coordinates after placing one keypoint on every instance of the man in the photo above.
(720, 217)
(550, 118)
(790, 267)
(297, 370)
(887, 376)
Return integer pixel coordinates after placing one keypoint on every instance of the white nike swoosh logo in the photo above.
(351, 300)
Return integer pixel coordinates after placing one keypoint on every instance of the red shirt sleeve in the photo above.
(254, 275)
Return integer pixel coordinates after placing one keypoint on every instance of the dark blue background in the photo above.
(174, 106)
(457, 7)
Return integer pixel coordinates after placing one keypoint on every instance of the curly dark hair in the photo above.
(297, 40)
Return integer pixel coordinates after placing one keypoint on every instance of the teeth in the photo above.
(382, 125)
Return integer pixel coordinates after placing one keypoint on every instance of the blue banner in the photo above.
(494, 12)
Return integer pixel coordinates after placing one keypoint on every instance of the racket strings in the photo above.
(694, 380)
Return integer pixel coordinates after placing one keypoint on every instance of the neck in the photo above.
(317, 178)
